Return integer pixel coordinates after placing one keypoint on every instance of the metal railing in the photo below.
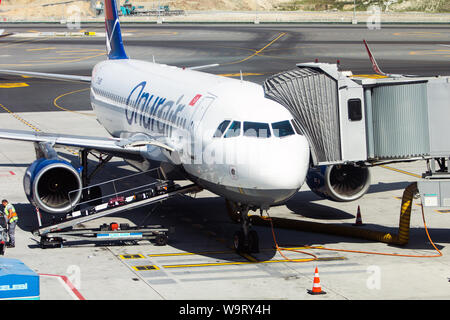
(116, 188)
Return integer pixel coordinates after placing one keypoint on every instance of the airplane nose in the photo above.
(281, 165)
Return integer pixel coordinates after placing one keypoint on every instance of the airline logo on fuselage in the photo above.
(195, 99)
(153, 112)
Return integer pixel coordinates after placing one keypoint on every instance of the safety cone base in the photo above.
(316, 293)
(358, 224)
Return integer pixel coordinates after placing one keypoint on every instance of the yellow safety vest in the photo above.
(13, 216)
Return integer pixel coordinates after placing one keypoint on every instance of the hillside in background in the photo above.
(251, 5)
(387, 5)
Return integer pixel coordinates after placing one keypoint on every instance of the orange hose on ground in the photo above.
(401, 238)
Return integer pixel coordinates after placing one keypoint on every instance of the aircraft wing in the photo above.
(107, 145)
(53, 76)
(206, 66)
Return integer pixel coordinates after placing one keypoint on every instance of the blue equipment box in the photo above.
(17, 281)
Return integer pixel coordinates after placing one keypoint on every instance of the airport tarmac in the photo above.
(198, 262)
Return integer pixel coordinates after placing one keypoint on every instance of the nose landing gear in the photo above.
(244, 240)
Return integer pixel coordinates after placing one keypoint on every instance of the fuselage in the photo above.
(225, 134)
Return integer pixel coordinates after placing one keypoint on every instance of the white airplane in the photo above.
(220, 133)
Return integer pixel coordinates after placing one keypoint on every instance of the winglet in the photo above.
(114, 43)
(374, 62)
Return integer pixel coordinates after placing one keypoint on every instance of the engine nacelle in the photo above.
(339, 182)
(47, 183)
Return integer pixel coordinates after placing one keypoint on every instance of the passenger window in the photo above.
(354, 110)
(282, 129)
(234, 130)
(256, 129)
(221, 128)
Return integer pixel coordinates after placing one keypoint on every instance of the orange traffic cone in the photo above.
(358, 221)
(317, 289)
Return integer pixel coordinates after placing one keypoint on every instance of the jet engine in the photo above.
(49, 183)
(340, 183)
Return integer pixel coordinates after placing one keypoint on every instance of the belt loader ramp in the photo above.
(355, 122)
(157, 191)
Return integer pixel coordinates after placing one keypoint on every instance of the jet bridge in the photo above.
(354, 122)
(350, 118)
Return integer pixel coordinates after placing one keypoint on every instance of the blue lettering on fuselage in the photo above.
(151, 112)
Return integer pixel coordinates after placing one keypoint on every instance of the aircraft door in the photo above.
(195, 126)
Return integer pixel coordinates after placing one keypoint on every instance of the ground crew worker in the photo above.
(11, 216)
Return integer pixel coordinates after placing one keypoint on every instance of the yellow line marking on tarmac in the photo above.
(187, 253)
(215, 264)
(55, 62)
(16, 65)
(41, 49)
(445, 52)
(20, 119)
(442, 211)
(401, 171)
(55, 102)
(32, 126)
(256, 52)
(13, 85)
(81, 51)
(417, 34)
(29, 40)
(215, 252)
(145, 268)
(131, 256)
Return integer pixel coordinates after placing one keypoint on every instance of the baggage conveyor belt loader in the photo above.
(56, 233)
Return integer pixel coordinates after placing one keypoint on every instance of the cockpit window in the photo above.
(221, 128)
(234, 130)
(256, 129)
(282, 129)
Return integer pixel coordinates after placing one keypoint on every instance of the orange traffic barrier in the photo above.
(317, 289)
(358, 221)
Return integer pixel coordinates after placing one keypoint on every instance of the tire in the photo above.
(238, 241)
(161, 240)
(253, 240)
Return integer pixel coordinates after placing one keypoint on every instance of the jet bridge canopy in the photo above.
(350, 118)
(311, 97)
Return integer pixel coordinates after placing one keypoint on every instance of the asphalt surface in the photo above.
(257, 51)
(198, 262)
